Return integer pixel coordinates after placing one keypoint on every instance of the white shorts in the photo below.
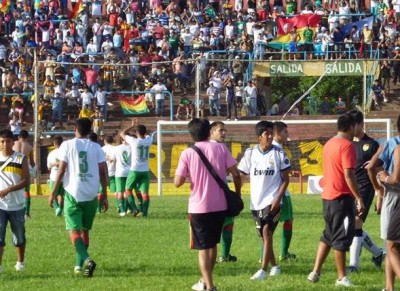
(148, 97)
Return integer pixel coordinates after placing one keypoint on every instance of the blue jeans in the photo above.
(215, 105)
(252, 106)
(159, 107)
(17, 222)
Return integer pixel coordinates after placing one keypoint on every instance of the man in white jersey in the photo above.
(14, 176)
(82, 168)
(268, 167)
(139, 174)
(108, 150)
(280, 138)
(122, 157)
(52, 166)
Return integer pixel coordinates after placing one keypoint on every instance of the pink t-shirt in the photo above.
(206, 195)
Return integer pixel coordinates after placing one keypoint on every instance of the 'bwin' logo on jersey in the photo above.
(266, 172)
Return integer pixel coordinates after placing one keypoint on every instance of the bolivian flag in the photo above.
(285, 25)
(5, 5)
(77, 9)
(135, 106)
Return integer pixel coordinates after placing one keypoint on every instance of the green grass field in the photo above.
(153, 254)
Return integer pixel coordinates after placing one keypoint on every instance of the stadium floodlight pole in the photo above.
(365, 88)
(159, 161)
(36, 123)
(197, 81)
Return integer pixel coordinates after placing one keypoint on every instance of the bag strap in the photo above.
(210, 168)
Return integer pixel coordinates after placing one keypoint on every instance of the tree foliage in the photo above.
(350, 88)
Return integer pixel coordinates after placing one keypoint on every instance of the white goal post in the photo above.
(162, 124)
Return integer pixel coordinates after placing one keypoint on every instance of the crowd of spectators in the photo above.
(134, 45)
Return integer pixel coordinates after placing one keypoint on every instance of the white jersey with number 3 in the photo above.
(140, 152)
(81, 178)
(264, 169)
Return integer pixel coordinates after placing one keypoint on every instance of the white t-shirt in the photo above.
(265, 174)
(109, 152)
(140, 149)
(52, 158)
(101, 98)
(82, 177)
(159, 88)
(87, 99)
(275, 143)
(123, 160)
(14, 200)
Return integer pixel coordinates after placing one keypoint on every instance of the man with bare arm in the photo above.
(22, 146)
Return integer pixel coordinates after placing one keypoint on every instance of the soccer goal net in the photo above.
(304, 149)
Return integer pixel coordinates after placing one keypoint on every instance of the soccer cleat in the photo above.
(77, 270)
(199, 286)
(89, 267)
(58, 211)
(128, 212)
(344, 282)
(378, 260)
(259, 275)
(313, 277)
(275, 271)
(122, 214)
(351, 269)
(286, 257)
(19, 267)
(229, 258)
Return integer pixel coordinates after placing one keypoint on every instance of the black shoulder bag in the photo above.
(233, 200)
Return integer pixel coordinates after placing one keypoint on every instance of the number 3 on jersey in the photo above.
(83, 164)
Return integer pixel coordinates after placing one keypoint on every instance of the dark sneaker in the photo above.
(229, 258)
(351, 269)
(378, 260)
(288, 256)
(89, 267)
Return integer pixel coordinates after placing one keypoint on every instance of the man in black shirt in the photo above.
(365, 147)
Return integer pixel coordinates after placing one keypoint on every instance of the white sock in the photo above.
(369, 244)
(355, 251)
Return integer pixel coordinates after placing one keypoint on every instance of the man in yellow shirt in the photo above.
(86, 112)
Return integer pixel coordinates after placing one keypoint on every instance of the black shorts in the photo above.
(308, 47)
(367, 194)
(393, 232)
(205, 229)
(266, 217)
(339, 215)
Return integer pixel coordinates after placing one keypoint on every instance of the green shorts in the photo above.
(120, 183)
(139, 181)
(111, 185)
(60, 190)
(287, 209)
(79, 215)
(228, 220)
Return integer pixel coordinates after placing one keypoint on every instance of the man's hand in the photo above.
(276, 204)
(4, 193)
(104, 204)
(50, 200)
(360, 207)
(134, 121)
